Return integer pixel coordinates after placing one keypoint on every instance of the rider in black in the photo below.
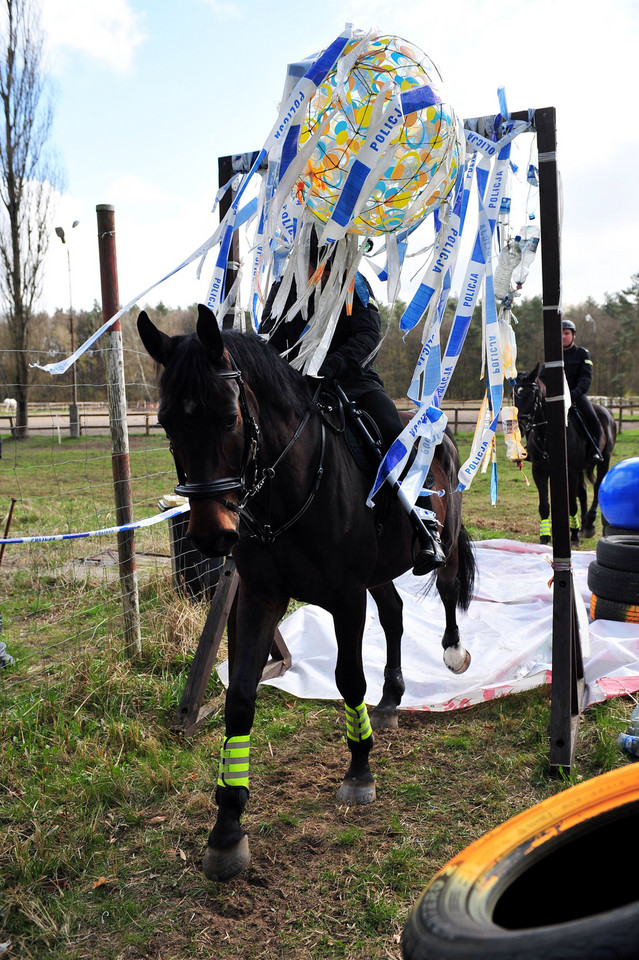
(348, 361)
(578, 370)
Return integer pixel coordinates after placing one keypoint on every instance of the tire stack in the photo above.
(613, 579)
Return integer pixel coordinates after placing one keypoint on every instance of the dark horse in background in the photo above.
(530, 394)
(272, 481)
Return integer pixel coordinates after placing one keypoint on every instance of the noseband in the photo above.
(216, 489)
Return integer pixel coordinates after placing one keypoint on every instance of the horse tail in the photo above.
(466, 569)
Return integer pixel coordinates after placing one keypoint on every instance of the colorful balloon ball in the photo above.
(425, 154)
(619, 494)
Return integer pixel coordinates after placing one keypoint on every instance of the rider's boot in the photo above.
(431, 552)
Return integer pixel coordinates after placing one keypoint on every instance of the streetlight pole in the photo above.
(74, 423)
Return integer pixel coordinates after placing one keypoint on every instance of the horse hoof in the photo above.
(384, 720)
(457, 658)
(588, 532)
(544, 539)
(353, 791)
(225, 864)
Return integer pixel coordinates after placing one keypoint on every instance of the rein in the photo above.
(216, 489)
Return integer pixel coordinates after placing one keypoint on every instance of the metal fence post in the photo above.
(119, 432)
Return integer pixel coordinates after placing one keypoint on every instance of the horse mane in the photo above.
(275, 383)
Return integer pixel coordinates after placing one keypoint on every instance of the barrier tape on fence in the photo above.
(136, 525)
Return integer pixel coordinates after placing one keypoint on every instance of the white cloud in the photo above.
(131, 190)
(108, 32)
(224, 9)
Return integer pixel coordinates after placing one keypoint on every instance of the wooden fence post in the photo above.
(119, 432)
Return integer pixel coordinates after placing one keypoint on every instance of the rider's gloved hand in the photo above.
(334, 367)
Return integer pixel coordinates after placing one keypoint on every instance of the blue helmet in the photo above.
(568, 325)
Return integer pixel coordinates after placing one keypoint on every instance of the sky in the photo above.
(150, 93)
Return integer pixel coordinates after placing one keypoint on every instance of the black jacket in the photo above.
(578, 367)
(355, 338)
(578, 370)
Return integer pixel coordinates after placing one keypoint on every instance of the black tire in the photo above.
(602, 609)
(610, 531)
(619, 552)
(533, 889)
(613, 584)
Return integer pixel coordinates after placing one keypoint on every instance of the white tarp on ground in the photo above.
(507, 630)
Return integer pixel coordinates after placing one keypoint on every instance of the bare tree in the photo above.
(27, 180)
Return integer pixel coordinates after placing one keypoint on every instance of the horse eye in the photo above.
(230, 424)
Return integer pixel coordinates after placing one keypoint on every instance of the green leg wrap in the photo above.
(574, 522)
(545, 528)
(358, 726)
(234, 762)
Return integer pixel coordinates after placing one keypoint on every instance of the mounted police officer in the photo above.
(356, 338)
(578, 370)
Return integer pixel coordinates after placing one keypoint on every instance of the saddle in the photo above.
(361, 433)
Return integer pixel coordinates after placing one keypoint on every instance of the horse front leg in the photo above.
(390, 608)
(250, 638)
(358, 785)
(456, 657)
(541, 479)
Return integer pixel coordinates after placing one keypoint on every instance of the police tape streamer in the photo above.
(236, 215)
(430, 380)
(136, 525)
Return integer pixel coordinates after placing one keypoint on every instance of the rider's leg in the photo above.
(379, 406)
(590, 423)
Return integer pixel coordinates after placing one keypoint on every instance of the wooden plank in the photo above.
(189, 716)
(192, 711)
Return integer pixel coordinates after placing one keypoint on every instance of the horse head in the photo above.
(527, 392)
(205, 410)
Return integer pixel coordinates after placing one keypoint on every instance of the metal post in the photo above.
(567, 667)
(225, 172)
(119, 432)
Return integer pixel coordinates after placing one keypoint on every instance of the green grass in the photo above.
(104, 811)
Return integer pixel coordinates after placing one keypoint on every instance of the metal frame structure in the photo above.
(567, 665)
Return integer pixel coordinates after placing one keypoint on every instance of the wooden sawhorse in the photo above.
(192, 711)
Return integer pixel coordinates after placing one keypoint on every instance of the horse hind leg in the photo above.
(456, 657)
(600, 472)
(389, 606)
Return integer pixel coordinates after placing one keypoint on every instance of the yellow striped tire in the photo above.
(557, 882)
(603, 609)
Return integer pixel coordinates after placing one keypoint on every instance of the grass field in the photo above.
(105, 812)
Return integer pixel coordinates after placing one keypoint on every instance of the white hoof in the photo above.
(457, 658)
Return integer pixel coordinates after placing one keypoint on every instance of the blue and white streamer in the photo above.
(136, 525)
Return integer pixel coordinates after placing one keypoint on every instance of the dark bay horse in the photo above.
(270, 480)
(529, 395)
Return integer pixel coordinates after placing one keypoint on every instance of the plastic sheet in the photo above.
(507, 629)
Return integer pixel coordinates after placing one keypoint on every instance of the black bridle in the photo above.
(250, 487)
(529, 420)
(217, 489)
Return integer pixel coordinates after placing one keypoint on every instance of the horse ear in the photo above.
(157, 344)
(208, 333)
(535, 372)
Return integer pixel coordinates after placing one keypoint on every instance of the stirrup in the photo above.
(430, 556)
